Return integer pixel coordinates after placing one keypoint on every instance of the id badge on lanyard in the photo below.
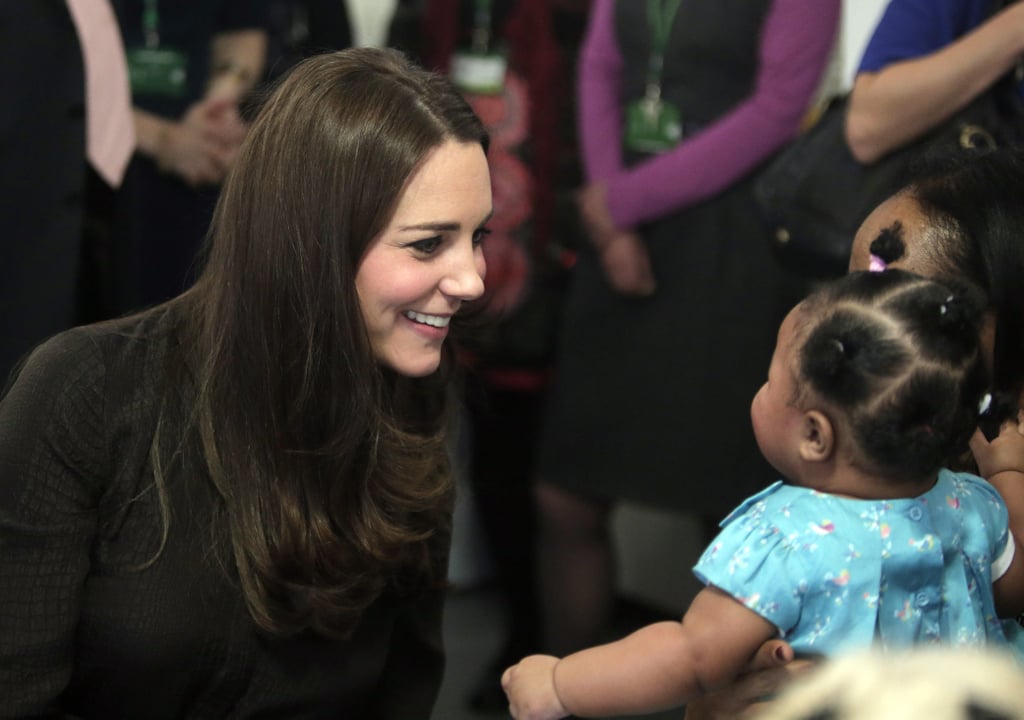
(155, 70)
(652, 124)
(480, 69)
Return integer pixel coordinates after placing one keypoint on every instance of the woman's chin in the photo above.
(415, 367)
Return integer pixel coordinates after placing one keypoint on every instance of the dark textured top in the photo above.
(92, 626)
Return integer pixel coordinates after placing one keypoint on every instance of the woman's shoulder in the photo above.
(92, 352)
(88, 395)
(94, 375)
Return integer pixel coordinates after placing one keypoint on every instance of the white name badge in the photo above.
(479, 74)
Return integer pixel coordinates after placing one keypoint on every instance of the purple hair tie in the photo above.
(876, 264)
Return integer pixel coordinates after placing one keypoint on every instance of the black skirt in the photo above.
(651, 398)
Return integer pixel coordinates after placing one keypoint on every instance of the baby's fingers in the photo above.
(978, 442)
(773, 653)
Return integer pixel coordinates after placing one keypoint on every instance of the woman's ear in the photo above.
(817, 438)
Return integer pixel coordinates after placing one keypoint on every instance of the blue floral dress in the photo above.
(836, 573)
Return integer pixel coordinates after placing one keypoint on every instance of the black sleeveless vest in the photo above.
(711, 60)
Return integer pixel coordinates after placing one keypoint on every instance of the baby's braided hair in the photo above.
(899, 356)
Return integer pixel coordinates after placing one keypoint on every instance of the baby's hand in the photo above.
(530, 687)
(1005, 452)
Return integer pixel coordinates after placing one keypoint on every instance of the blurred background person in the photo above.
(925, 60)
(300, 28)
(514, 61)
(674, 300)
(191, 64)
(65, 127)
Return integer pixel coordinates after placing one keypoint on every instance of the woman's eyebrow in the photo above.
(433, 226)
(441, 226)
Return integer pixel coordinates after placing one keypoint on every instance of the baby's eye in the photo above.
(427, 245)
(480, 234)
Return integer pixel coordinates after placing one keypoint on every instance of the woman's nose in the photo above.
(464, 278)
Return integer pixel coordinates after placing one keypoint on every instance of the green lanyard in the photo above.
(151, 24)
(660, 16)
(482, 27)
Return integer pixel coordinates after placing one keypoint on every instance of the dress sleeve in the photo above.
(412, 676)
(796, 41)
(416, 661)
(754, 561)
(52, 452)
(994, 518)
(600, 76)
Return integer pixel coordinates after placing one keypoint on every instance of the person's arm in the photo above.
(200, 146)
(598, 117)
(1001, 462)
(237, 60)
(892, 106)
(193, 147)
(411, 679)
(623, 255)
(796, 40)
(774, 665)
(657, 667)
(415, 666)
(52, 465)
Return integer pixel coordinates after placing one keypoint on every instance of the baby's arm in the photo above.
(659, 666)
(1001, 462)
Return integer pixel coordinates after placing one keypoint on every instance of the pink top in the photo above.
(797, 38)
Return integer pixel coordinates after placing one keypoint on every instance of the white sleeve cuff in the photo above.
(1003, 562)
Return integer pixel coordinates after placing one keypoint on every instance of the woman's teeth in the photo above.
(432, 320)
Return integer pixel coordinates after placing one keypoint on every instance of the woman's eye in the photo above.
(426, 245)
(480, 234)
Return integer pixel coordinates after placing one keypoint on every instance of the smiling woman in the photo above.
(427, 262)
(249, 484)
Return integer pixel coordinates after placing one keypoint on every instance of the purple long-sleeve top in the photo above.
(796, 40)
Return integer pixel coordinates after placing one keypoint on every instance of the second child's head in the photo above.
(878, 374)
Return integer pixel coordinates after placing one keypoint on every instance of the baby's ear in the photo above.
(817, 438)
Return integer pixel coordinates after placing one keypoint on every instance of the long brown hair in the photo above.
(330, 471)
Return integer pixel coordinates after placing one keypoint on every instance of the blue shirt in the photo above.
(912, 28)
(835, 573)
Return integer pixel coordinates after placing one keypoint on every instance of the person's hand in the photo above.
(770, 668)
(530, 687)
(627, 265)
(624, 257)
(201, 147)
(224, 124)
(1004, 452)
(592, 202)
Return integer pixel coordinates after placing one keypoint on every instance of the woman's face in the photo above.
(906, 211)
(902, 209)
(416, 274)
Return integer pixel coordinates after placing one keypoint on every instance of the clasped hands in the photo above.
(201, 147)
(624, 257)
